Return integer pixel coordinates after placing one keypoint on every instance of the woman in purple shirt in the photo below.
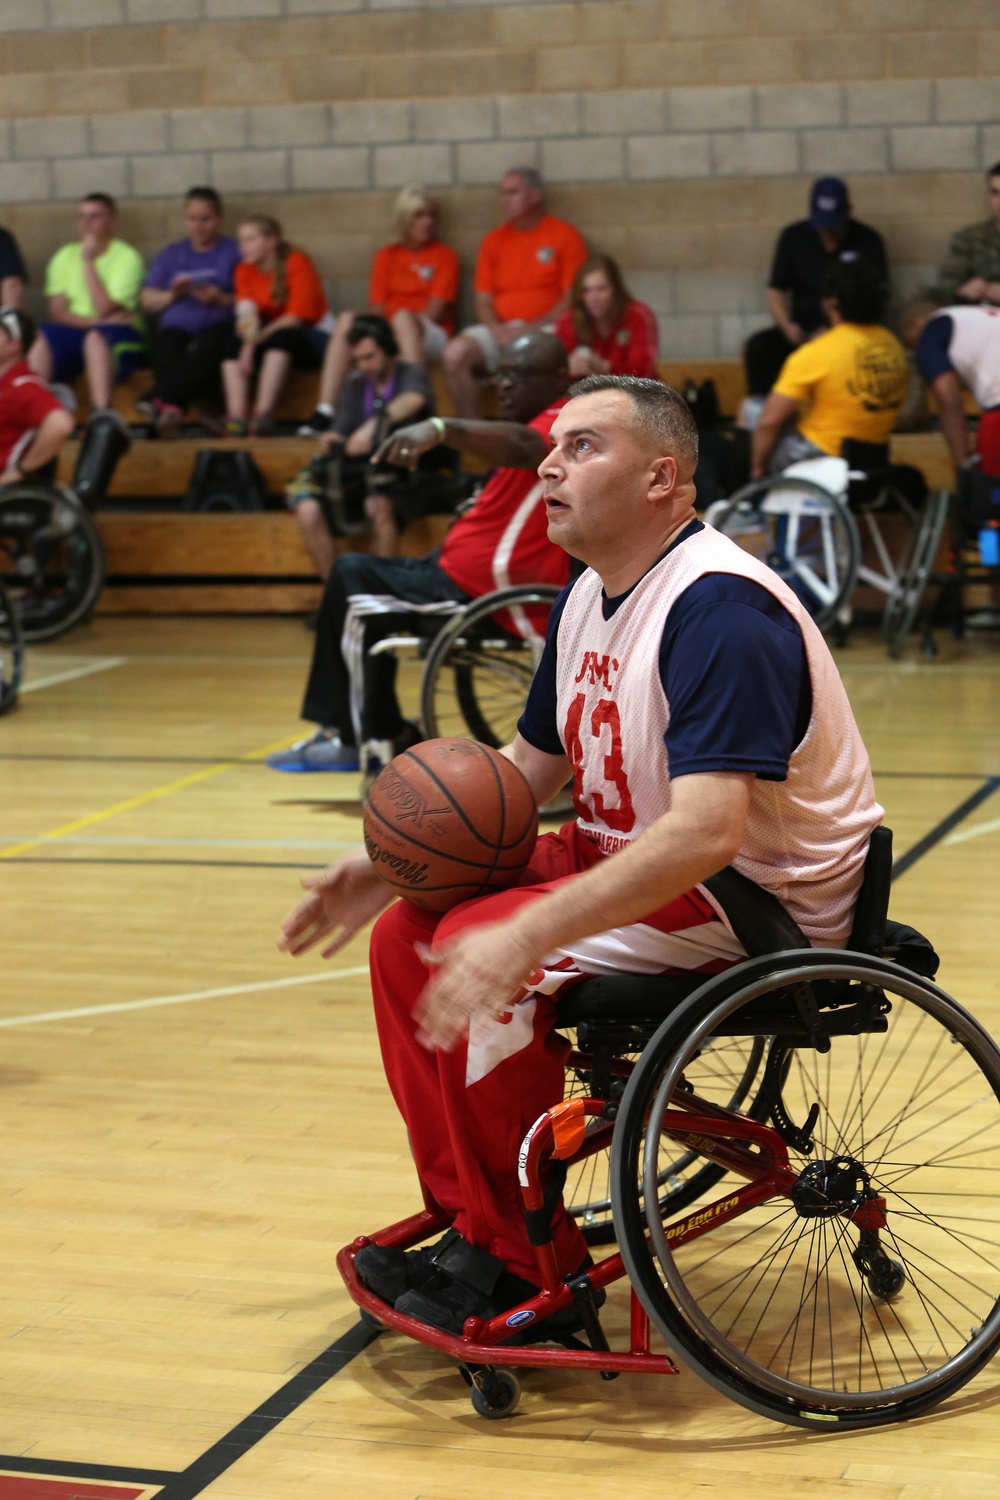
(189, 288)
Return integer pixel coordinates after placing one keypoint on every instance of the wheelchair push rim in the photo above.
(790, 1310)
(51, 558)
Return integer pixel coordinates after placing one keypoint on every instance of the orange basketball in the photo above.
(449, 820)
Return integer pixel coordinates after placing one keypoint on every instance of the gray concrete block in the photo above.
(789, 106)
(249, 171)
(289, 125)
(138, 132)
(686, 336)
(728, 291)
(241, 10)
(429, 163)
(330, 168)
(62, 135)
(655, 156)
(454, 119)
(25, 181)
(756, 153)
(209, 129)
(25, 15)
(989, 146)
(826, 152)
(71, 14)
(711, 109)
(484, 163)
(167, 176)
(964, 100)
(319, 7)
(6, 138)
(625, 112)
(376, 122)
(655, 288)
(735, 328)
(86, 174)
(890, 102)
(597, 159)
(539, 115)
(934, 148)
(162, 10)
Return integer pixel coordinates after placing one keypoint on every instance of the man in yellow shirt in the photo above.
(848, 382)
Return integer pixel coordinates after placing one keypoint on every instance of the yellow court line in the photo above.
(132, 802)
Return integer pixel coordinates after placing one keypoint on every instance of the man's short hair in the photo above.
(859, 288)
(994, 171)
(373, 326)
(104, 198)
(204, 195)
(19, 326)
(530, 176)
(661, 413)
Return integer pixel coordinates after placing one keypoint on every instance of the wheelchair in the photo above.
(804, 524)
(802, 1153)
(52, 562)
(11, 652)
(974, 559)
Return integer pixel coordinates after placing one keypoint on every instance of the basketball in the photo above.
(449, 820)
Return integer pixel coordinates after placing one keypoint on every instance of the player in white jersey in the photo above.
(706, 725)
(956, 347)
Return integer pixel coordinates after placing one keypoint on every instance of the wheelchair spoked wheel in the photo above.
(725, 1072)
(803, 532)
(902, 605)
(791, 1308)
(11, 653)
(51, 558)
(477, 674)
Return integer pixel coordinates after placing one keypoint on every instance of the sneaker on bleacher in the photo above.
(315, 425)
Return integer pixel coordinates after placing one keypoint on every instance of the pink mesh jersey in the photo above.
(806, 837)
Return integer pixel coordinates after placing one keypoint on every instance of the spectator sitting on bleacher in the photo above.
(502, 539)
(414, 283)
(189, 288)
(971, 271)
(524, 272)
(849, 382)
(34, 424)
(12, 272)
(606, 331)
(956, 347)
(93, 321)
(383, 393)
(281, 320)
(794, 296)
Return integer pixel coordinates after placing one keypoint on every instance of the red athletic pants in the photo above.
(468, 1110)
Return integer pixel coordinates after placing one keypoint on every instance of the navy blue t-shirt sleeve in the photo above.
(11, 261)
(733, 667)
(538, 723)
(933, 345)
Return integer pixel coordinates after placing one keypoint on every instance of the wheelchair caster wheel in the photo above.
(494, 1393)
(885, 1279)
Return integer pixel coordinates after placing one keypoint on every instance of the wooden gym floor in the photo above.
(192, 1125)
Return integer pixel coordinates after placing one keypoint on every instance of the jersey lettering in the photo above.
(605, 715)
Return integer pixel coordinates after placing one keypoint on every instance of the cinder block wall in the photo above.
(678, 134)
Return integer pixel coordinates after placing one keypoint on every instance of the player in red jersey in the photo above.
(34, 424)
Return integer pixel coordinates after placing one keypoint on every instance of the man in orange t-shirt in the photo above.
(524, 273)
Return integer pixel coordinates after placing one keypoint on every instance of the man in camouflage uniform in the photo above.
(971, 271)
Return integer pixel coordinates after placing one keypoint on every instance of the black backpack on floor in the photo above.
(223, 481)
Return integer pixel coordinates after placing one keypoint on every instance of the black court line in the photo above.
(941, 830)
(248, 1433)
(57, 1468)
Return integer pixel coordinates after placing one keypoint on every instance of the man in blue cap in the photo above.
(794, 290)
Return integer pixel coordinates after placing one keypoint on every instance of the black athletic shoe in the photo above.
(444, 1303)
(389, 1272)
(315, 425)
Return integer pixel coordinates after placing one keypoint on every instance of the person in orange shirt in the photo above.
(282, 320)
(524, 273)
(414, 284)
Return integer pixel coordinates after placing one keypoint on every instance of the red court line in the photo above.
(38, 1487)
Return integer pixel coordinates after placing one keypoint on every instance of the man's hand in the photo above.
(90, 247)
(475, 977)
(405, 446)
(793, 333)
(206, 293)
(181, 285)
(359, 443)
(345, 896)
(11, 476)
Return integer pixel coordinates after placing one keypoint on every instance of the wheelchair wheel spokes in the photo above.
(51, 558)
(726, 1071)
(867, 1290)
(481, 691)
(11, 653)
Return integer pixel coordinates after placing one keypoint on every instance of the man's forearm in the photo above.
(103, 302)
(52, 432)
(500, 444)
(11, 291)
(956, 433)
(406, 404)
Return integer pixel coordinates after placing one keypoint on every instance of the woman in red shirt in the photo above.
(414, 283)
(282, 320)
(605, 330)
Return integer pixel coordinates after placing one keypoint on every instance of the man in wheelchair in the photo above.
(501, 540)
(34, 424)
(705, 725)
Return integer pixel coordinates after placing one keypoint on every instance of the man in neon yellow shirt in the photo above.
(92, 289)
(848, 382)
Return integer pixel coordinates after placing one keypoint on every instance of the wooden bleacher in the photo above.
(161, 560)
